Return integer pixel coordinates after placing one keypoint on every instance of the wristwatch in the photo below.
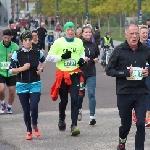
(41, 69)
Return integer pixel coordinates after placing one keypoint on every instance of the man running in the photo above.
(6, 50)
(68, 54)
(128, 64)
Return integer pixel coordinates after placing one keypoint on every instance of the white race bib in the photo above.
(5, 65)
(70, 63)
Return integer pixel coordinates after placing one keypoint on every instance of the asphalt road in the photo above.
(105, 90)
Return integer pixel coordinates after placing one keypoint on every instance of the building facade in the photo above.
(5, 11)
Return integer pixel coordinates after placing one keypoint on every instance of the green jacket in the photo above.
(4, 59)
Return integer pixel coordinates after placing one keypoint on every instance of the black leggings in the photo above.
(29, 102)
(74, 92)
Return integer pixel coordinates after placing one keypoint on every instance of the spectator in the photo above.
(97, 36)
(52, 23)
(58, 29)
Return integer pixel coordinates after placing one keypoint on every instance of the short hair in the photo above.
(128, 26)
(7, 32)
(34, 31)
(148, 20)
(96, 27)
(86, 27)
(143, 27)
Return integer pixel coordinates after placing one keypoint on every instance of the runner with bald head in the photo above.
(128, 64)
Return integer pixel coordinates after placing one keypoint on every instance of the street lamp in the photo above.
(86, 10)
(139, 12)
(57, 11)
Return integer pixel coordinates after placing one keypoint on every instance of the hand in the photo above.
(66, 55)
(38, 72)
(95, 60)
(10, 55)
(145, 72)
(81, 62)
(26, 66)
(86, 59)
(131, 70)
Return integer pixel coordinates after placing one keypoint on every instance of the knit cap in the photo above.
(69, 25)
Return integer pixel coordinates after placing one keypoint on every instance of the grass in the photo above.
(115, 33)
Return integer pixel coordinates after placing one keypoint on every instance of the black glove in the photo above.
(81, 62)
(67, 55)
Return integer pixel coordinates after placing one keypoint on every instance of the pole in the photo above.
(27, 5)
(40, 10)
(139, 12)
(86, 10)
(57, 11)
(17, 11)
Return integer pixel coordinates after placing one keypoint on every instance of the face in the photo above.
(70, 32)
(132, 35)
(108, 35)
(34, 36)
(148, 22)
(87, 33)
(27, 43)
(78, 32)
(6, 39)
(27, 26)
(42, 25)
(143, 34)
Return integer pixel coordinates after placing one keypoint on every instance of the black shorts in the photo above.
(10, 81)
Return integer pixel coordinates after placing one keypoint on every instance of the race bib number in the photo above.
(70, 63)
(5, 65)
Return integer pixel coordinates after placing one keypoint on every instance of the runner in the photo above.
(127, 63)
(28, 84)
(68, 53)
(36, 44)
(89, 73)
(6, 49)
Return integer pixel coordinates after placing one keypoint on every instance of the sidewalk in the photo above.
(102, 136)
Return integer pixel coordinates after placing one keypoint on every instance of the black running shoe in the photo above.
(74, 130)
(92, 122)
(62, 125)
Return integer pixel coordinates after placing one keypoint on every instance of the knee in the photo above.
(140, 125)
(91, 94)
(1, 90)
(12, 92)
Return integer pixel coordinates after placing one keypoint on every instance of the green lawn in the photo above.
(115, 33)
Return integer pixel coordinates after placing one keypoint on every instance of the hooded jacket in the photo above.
(122, 57)
(92, 52)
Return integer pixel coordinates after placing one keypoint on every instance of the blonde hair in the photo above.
(142, 27)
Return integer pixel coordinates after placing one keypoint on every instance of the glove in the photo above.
(81, 62)
(67, 55)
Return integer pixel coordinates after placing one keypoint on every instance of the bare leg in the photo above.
(2, 94)
(12, 92)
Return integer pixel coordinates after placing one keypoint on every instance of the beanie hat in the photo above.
(26, 34)
(69, 25)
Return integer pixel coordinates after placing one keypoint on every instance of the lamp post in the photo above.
(18, 10)
(27, 1)
(86, 10)
(139, 12)
(57, 11)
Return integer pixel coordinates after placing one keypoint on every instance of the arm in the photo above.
(53, 54)
(111, 42)
(102, 43)
(111, 68)
(13, 65)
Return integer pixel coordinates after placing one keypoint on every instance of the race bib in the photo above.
(5, 65)
(70, 63)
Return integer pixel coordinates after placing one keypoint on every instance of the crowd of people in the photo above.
(76, 54)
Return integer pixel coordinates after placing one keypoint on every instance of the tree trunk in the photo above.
(120, 25)
(99, 21)
(76, 21)
(108, 23)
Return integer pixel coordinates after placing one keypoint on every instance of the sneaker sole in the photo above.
(75, 132)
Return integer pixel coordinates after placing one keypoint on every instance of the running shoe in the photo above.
(29, 136)
(121, 145)
(147, 122)
(9, 110)
(80, 116)
(92, 121)
(74, 130)
(134, 119)
(62, 125)
(3, 108)
(36, 131)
